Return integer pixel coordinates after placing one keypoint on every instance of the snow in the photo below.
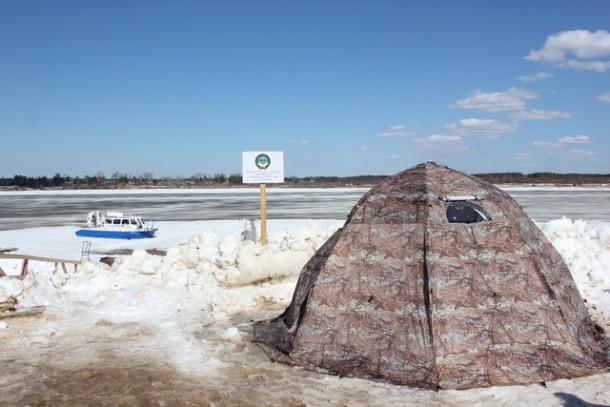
(585, 247)
(170, 322)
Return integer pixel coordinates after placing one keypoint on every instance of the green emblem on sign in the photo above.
(262, 161)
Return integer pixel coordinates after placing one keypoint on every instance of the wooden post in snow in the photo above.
(262, 168)
(264, 214)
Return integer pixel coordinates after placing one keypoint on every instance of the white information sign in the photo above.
(262, 167)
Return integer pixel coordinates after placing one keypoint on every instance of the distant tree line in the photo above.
(118, 180)
(536, 178)
(146, 180)
(333, 180)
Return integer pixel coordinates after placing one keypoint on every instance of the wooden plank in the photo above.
(23, 312)
(24, 268)
(38, 258)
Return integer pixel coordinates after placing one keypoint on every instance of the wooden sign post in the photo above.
(263, 168)
(264, 214)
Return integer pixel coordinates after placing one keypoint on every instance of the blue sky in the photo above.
(177, 88)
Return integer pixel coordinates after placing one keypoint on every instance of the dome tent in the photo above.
(439, 280)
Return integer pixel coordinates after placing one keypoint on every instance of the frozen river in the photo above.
(19, 210)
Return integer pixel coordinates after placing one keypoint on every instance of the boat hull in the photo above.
(116, 234)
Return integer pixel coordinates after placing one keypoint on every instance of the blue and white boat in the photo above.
(116, 225)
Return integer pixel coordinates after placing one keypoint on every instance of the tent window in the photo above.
(466, 212)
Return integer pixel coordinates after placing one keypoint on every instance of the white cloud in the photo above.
(547, 145)
(482, 128)
(577, 65)
(394, 157)
(291, 141)
(604, 97)
(395, 131)
(523, 157)
(556, 152)
(580, 139)
(441, 144)
(559, 150)
(582, 153)
(589, 49)
(439, 138)
(535, 77)
(511, 99)
(563, 142)
(539, 115)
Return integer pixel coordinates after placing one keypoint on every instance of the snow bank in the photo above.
(226, 268)
(223, 276)
(235, 272)
(585, 247)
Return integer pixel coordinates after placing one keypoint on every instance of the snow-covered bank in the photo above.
(179, 324)
(585, 247)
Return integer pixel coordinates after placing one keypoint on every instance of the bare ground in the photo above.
(57, 360)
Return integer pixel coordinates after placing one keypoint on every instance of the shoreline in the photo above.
(290, 186)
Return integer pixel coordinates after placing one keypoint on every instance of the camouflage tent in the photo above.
(439, 280)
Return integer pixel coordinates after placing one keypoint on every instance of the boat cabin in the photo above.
(119, 220)
(115, 220)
